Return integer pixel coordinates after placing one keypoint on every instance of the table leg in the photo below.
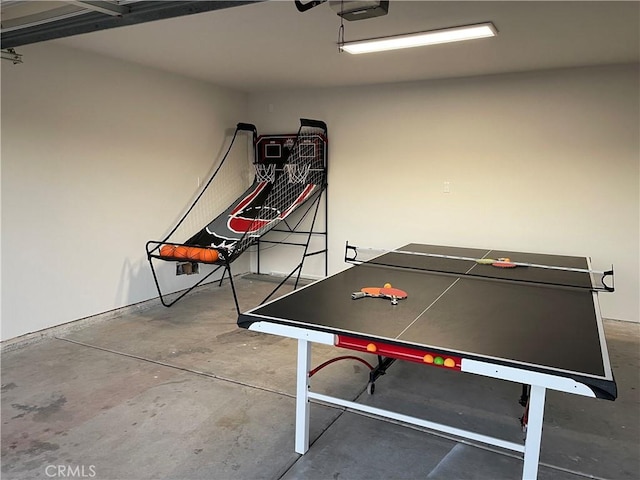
(302, 399)
(534, 432)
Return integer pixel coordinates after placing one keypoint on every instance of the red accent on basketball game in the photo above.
(240, 224)
(300, 200)
(259, 188)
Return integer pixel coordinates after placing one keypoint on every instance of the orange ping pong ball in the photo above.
(449, 362)
(387, 285)
(428, 358)
(371, 347)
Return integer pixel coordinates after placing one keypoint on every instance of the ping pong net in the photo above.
(500, 265)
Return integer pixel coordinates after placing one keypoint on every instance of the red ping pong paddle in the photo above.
(367, 292)
(504, 263)
(394, 294)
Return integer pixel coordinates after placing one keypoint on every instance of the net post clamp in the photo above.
(350, 249)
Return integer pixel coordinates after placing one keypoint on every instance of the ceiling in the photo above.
(271, 46)
(32, 21)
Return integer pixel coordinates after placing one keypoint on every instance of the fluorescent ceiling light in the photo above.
(433, 37)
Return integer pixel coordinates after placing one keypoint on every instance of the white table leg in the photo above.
(302, 399)
(534, 432)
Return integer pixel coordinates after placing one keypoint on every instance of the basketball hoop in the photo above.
(297, 173)
(265, 172)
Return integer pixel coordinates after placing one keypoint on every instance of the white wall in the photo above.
(98, 156)
(543, 162)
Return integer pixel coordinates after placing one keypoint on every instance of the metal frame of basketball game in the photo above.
(227, 257)
(539, 382)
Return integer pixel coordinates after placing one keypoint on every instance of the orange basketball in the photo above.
(208, 255)
(193, 253)
(167, 250)
(180, 252)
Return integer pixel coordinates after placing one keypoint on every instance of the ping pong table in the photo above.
(531, 325)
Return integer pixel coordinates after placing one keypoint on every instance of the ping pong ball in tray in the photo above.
(441, 362)
(387, 285)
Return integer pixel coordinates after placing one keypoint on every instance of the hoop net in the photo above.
(233, 178)
(265, 172)
(297, 173)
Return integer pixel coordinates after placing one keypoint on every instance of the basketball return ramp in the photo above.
(290, 175)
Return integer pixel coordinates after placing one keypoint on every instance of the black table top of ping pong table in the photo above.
(534, 319)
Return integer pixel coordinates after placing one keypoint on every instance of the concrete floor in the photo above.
(182, 393)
